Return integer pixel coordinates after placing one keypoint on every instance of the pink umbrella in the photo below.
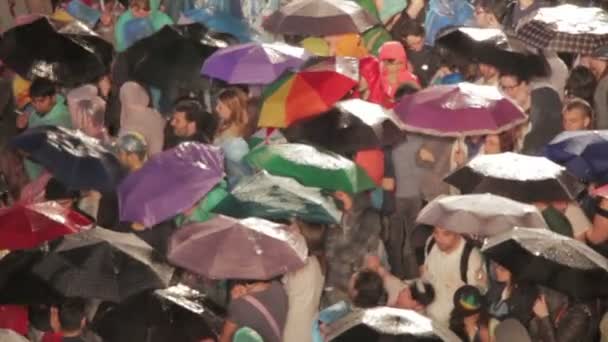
(459, 110)
(227, 248)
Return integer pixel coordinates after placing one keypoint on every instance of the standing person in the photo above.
(469, 318)
(139, 9)
(190, 122)
(305, 286)
(543, 106)
(394, 68)
(519, 9)
(489, 75)
(69, 320)
(581, 83)
(577, 115)
(489, 13)
(598, 64)
(49, 109)
(450, 263)
(510, 298)
(422, 57)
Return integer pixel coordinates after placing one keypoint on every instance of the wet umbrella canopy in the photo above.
(581, 152)
(39, 50)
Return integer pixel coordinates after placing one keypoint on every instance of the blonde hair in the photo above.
(236, 101)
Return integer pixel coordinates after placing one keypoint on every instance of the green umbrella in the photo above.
(311, 167)
(273, 197)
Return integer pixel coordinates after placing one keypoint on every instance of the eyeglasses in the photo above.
(509, 88)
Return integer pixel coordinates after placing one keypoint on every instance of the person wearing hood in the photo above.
(88, 112)
(139, 9)
(49, 110)
(394, 68)
(136, 115)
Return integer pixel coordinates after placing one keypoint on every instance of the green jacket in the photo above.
(58, 116)
(158, 19)
(203, 211)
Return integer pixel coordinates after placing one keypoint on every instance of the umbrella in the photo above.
(516, 176)
(550, 259)
(37, 49)
(253, 63)
(19, 285)
(493, 47)
(479, 214)
(459, 110)
(311, 167)
(309, 92)
(379, 322)
(221, 22)
(75, 159)
(226, 248)
(27, 226)
(172, 53)
(170, 183)
(320, 18)
(177, 313)
(565, 28)
(103, 264)
(273, 197)
(352, 126)
(581, 152)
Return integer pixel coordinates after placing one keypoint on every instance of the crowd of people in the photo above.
(377, 255)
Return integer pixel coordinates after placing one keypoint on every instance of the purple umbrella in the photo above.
(459, 110)
(253, 63)
(170, 182)
(227, 248)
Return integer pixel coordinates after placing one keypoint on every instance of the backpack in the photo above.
(464, 258)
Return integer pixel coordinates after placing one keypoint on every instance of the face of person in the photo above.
(414, 43)
(43, 104)
(181, 126)
(487, 71)
(445, 239)
(491, 144)
(515, 89)
(575, 120)
(597, 67)
(223, 111)
(139, 12)
(405, 300)
(482, 18)
(503, 275)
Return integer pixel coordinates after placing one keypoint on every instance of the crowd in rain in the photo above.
(303, 170)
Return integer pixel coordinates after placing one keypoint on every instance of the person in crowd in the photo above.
(370, 83)
(489, 75)
(422, 57)
(136, 115)
(394, 68)
(49, 109)
(469, 319)
(139, 9)
(490, 13)
(305, 286)
(88, 116)
(543, 106)
(509, 298)
(259, 305)
(498, 143)
(132, 151)
(577, 115)
(581, 83)
(450, 263)
(69, 320)
(190, 122)
(518, 10)
(598, 64)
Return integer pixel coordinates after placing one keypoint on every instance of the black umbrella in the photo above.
(543, 257)
(103, 264)
(38, 49)
(516, 176)
(77, 160)
(494, 47)
(352, 126)
(175, 53)
(175, 314)
(388, 324)
(18, 285)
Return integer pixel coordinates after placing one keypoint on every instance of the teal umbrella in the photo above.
(273, 197)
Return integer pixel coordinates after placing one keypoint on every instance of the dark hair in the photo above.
(423, 298)
(407, 88)
(370, 289)
(520, 76)
(56, 190)
(207, 124)
(581, 83)
(314, 234)
(459, 313)
(404, 28)
(496, 7)
(42, 87)
(71, 313)
(581, 105)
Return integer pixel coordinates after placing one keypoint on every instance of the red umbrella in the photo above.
(27, 226)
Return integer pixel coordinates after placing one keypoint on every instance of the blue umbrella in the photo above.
(78, 161)
(583, 153)
(221, 22)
